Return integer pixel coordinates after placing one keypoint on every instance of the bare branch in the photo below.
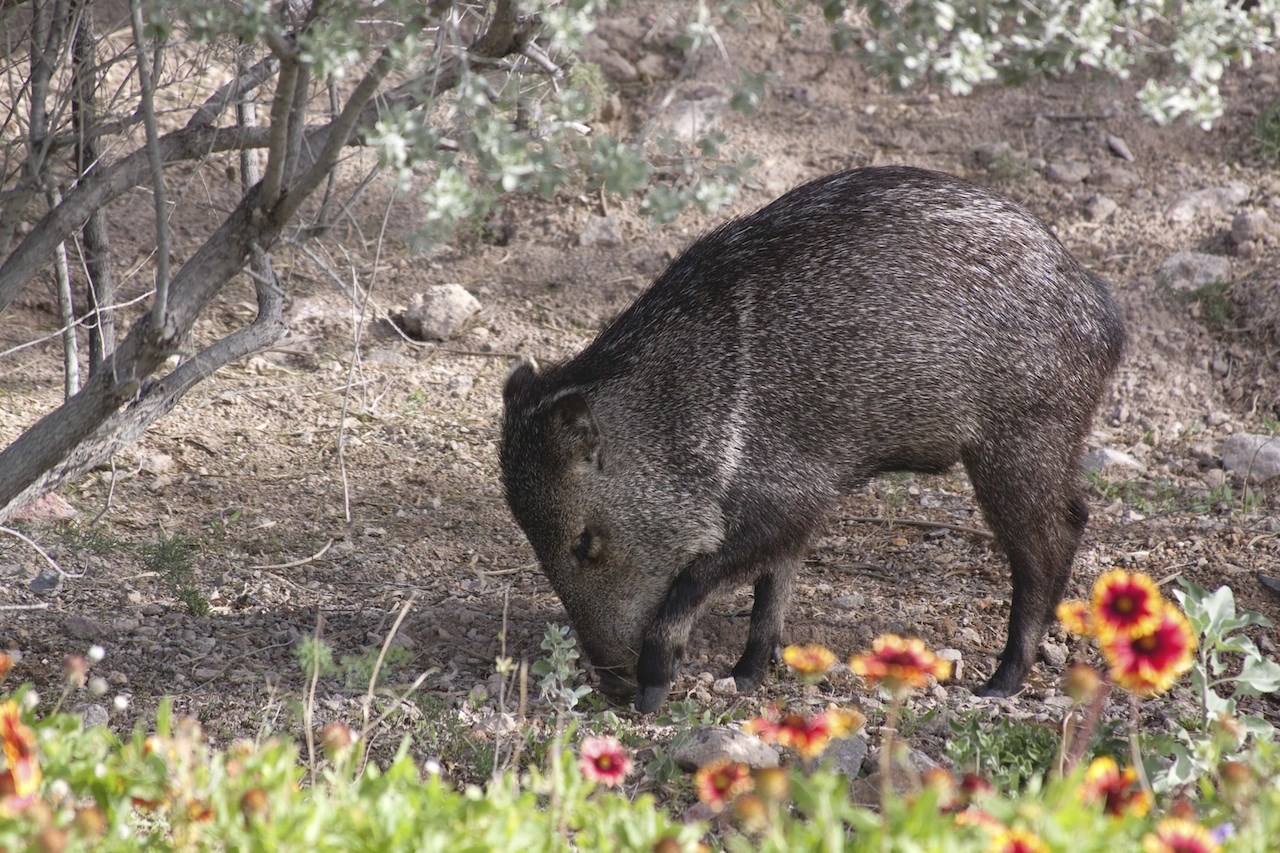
(96, 244)
(159, 308)
(277, 150)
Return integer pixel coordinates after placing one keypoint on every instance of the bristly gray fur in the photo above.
(874, 320)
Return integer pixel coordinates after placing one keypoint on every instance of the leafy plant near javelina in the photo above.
(65, 787)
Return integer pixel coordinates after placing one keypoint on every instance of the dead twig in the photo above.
(915, 522)
(17, 534)
(295, 563)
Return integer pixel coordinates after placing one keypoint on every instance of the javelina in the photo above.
(885, 319)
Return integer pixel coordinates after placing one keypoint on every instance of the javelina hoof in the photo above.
(1007, 680)
(650, 699)
(749, 673)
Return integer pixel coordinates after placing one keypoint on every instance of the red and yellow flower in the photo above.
(20, 780)
(1151, 661)
(899, 664)
(720, 781)
(1125, 603)
(1076, 616)
(1016, 840)
(809, 661)
(604, 760)
(1118, 790)
(6, 664)
(807, 735)
(1177, 835)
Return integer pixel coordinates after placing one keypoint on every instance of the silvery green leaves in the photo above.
(964, 44)
(559, 675)
(1221, 731)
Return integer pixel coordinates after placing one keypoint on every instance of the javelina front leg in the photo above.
(768, 614)
(773, 552)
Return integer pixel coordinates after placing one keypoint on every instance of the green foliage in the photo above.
(1008, 752)
(174, 791)
(1146, 496)
(558, 672)
(1229, 666)
(173, 558)
(966, 44)
(1267, 131)
(1214, 299)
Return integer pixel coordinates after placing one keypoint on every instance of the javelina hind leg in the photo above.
(1030, 500)
(768, 613)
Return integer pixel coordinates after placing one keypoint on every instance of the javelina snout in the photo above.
(887, 319)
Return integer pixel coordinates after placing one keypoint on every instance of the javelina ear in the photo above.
(521, 378)
(577, 427)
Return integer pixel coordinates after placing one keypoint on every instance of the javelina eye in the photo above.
(582, 552)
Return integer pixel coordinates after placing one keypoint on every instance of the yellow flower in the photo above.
(1076, 617)
(1178, 835)
(811, 660)
(1018, 841)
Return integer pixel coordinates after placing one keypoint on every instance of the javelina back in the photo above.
(885, 319)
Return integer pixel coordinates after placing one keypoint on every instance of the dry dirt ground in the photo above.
(279, 535)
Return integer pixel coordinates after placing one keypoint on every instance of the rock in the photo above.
(989, 154)
(1067, 171)
(612, 109)
(617, 68)
(46, 583)
(1249, 225)
(1117, 146)
(46, 510)
(86, 629)
(1101, 458)
(1253, 457)
(702, 744)
(688, 120)
(652, 66)
(1186, 271)
(956, 659)
(1055, 654)
(852, 601)
(1099, 208)
(94, 716)
(1214, 478)
(460, 385)
(725, 687)
(1118, 177)
(845, 755)
(440, 312)
(1186, 206)
(600, 231)
(157, 463)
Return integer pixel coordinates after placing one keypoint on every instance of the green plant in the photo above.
(1008, 752)
(1221, 731)
(173, 558)
(1267, 131)
(1215, 304)
(559, 672)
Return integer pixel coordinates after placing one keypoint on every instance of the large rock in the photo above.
(440, 312)
(1186, 207)
(1187, 271)
(1255, 457)
(706, 743)
(1105, 457)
